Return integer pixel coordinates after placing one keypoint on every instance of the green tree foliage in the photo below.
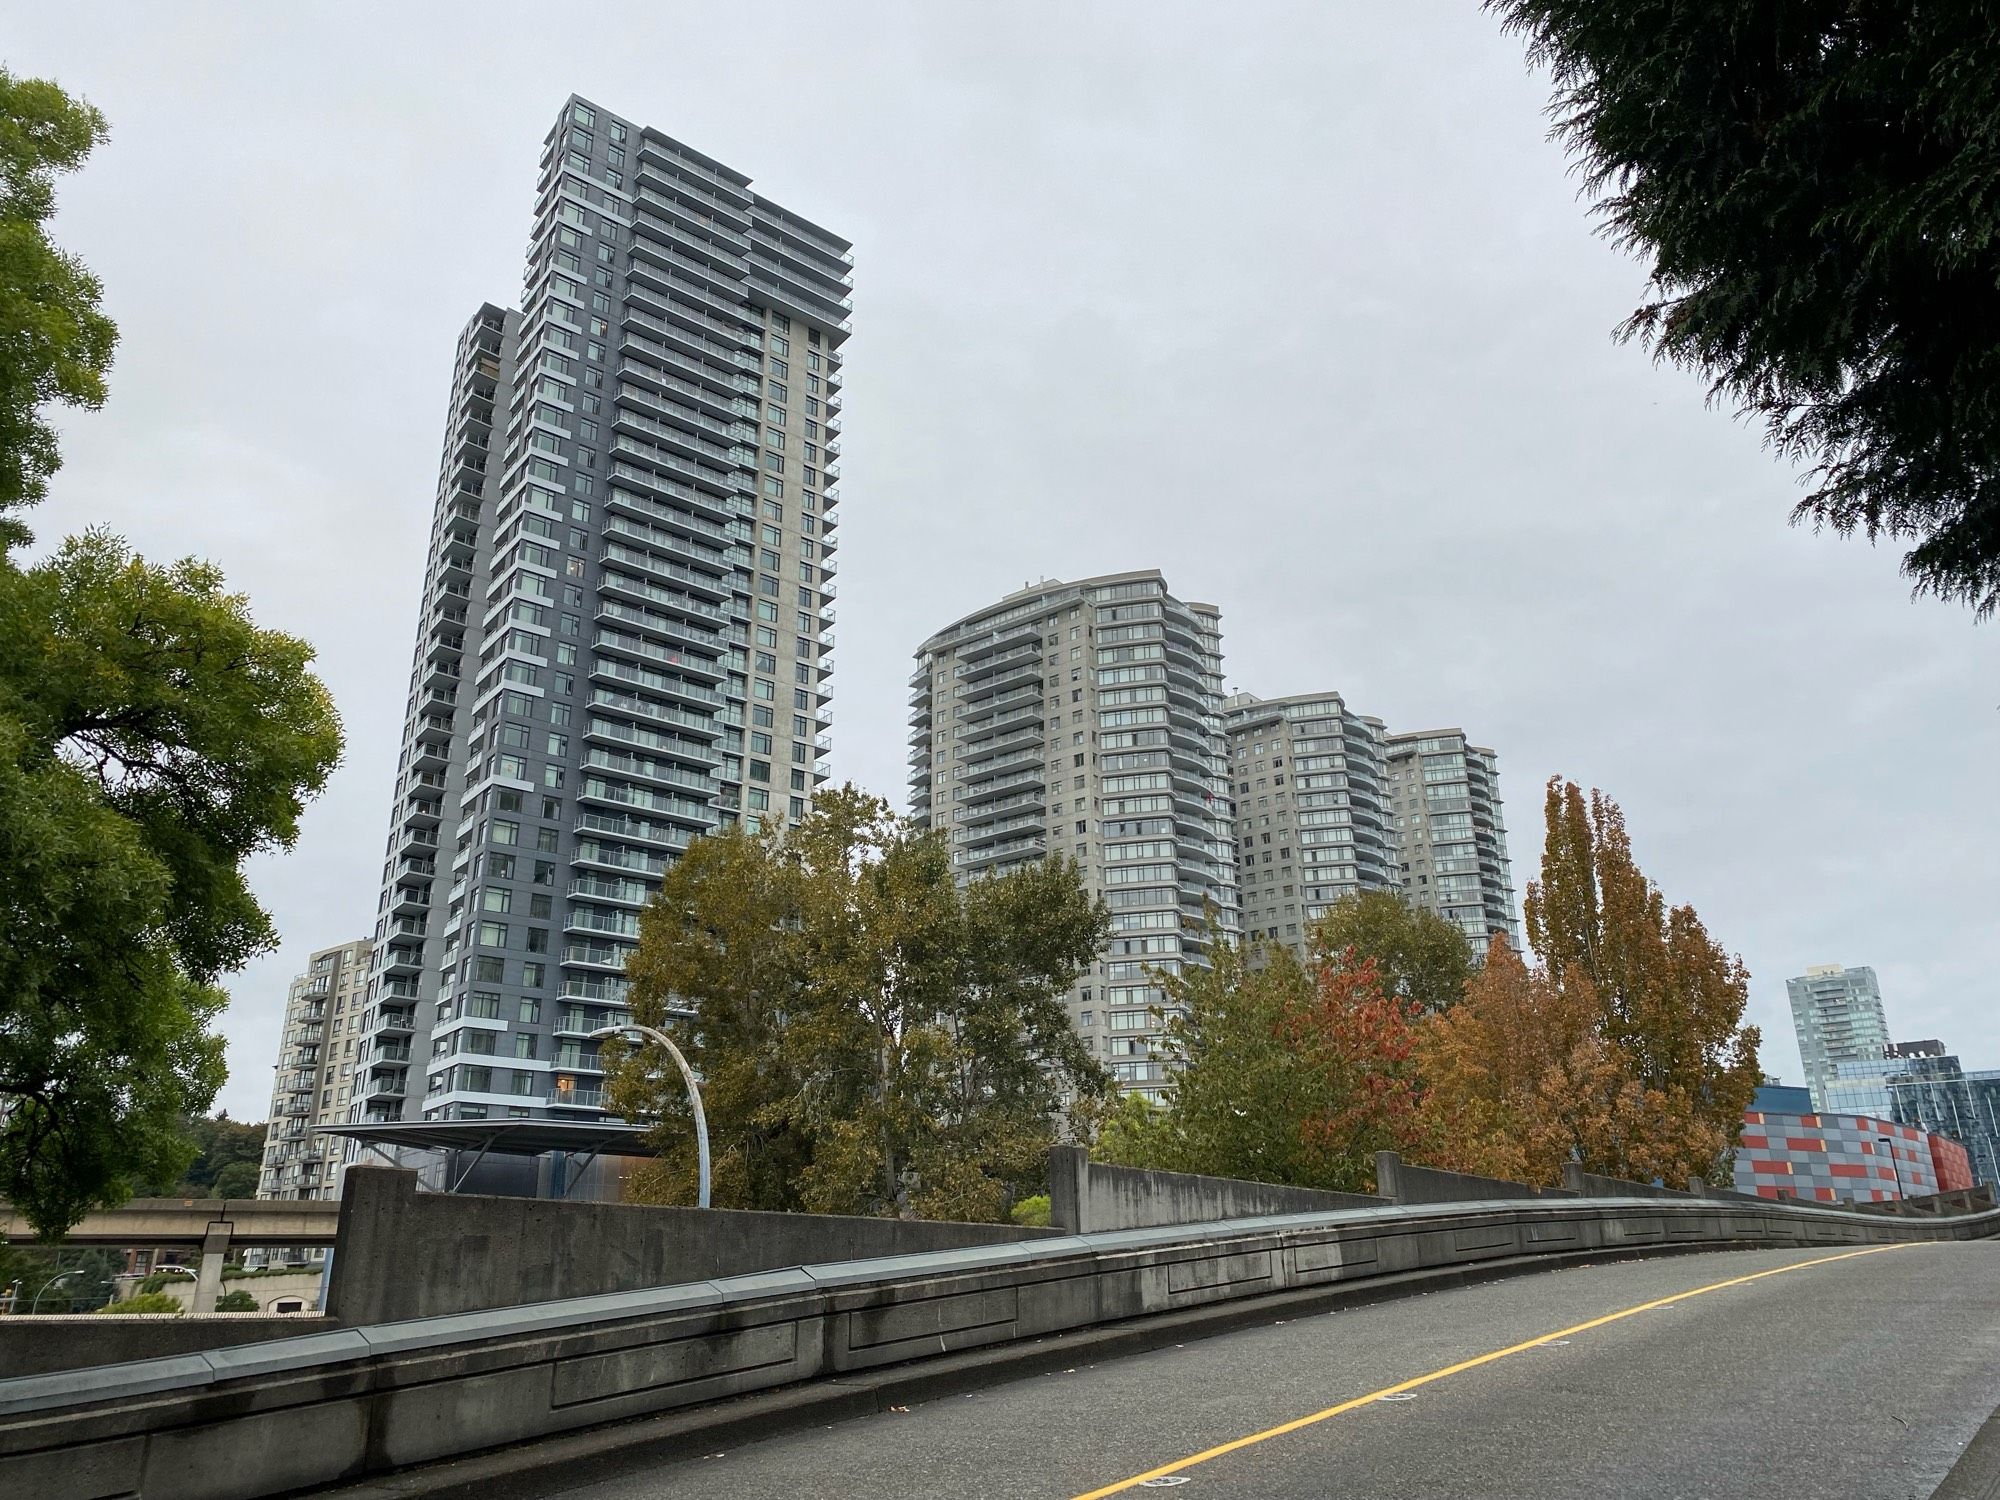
(1417, 954)
(236, 1301)
(152, 738)
(1813, 185)
(28, 1268)
(1286, 1074)
(149, 1302)
(237, 1180)
(1669, 1000)
(873, 1038)
(228, 1156)
(55, 346)
(1031, 1212)
(1136, 1132)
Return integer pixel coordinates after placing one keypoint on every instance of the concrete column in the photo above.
(1573, 1178)
(208, 1281)
(1387, 1167)
(1069, 1171)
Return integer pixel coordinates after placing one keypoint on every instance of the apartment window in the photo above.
(585, 116)
(492, 934)
(489, 971)
(505, 832)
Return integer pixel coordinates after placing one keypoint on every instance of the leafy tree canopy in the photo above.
(1813, 184)
(1417, 954)
(1668, 999)
(873, 1037)
(152, 739)
(55, 346)
(1284, 1073)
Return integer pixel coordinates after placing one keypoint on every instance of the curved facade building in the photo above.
(1453, 837)
(1084, 719)
(1312, 820)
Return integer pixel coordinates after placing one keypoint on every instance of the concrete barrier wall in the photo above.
(1086, 1197)
(406, 1254)
(1595, 1185)
(265, 1419)
(1405, 1182)
(36, 1346)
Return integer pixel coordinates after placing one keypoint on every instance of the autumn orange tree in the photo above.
(1284, 1072)
(1521, 1079)
(1625, 1048)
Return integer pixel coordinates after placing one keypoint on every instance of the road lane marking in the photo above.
(1180, 1465)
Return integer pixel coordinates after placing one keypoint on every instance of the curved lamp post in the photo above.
(36, 1305)
(1890, 1143)
(693, 1091)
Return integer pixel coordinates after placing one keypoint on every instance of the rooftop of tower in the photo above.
(1025, 600)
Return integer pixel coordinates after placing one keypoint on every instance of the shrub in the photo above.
(1032, 1213)
(145, 1302)
(236, 1302)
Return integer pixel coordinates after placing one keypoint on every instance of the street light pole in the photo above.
(693, 1092)
(1894, 1164)
(36, 1305)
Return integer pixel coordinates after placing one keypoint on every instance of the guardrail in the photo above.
(267, 1418)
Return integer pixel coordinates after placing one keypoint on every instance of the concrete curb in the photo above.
(1976, 1475)
(528, 1471)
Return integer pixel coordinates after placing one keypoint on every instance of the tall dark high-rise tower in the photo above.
(624, 635)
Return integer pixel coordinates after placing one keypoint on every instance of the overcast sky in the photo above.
(1294, 302)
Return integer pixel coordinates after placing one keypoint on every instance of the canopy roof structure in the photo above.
(510, 1137)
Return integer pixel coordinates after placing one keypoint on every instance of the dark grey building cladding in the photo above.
(627, 617)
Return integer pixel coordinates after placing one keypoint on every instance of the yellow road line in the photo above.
(1465, 1364)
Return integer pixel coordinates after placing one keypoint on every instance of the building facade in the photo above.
(1084, 719)
(1929, 1088)
(1451, 834)
(625, 629)
(1837, 1014)
(1790, 1150)
(1312, 820)
(316, 1050)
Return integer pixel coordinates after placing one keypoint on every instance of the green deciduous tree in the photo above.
(237, 1300)
(873, 1038)
(1813, 185)
(1417, 953)
(55, 346)
(152, 738)
(1283, 1073)
(1669, 999)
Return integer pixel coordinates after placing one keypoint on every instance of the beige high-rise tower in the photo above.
(1085, 719)
(1311, 784)
(316, 1054)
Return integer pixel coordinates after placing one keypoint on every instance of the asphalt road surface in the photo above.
(1850, 1378)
